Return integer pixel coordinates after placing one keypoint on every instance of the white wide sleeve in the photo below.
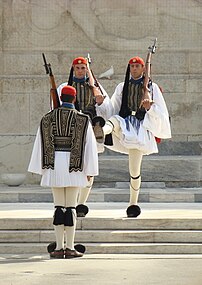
(117, 98)
(90, 153)
(157, 118)
(35, 165)
(59, 89)
(105, 110)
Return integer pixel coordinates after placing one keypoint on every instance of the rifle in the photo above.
(151, 50)
(147, 73)
(53, 90)
(95, 79)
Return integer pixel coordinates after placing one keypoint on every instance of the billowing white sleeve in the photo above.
(105, 110)
(59, 89)
(35, 165)
(157, 118)
(90, 153)
(117, 98)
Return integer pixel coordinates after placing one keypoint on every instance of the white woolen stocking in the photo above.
(70, 233)
(84, 192)
(59, 200)
(135, 160)
(71, 197)
(59, 234)
(134, 190)
(111, 125)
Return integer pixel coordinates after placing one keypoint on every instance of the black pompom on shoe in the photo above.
(81, 210)
(80, 247)
(51, 247)
(133, 211)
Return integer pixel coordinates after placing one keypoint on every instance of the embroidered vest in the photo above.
(131, 101)
(85, 100)
(63, 129)
(134, 96)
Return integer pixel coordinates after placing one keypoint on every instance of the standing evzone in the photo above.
(140, 120)
(94, 101)
(65, 154)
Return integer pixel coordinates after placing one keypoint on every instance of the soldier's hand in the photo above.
(99, 99)
(146, 103)
(98, 96)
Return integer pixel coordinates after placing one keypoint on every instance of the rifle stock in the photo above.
(151, 50)
(53, 90)
(147, 73)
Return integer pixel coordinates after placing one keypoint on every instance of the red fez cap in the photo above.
(68, 90)
(136, 59)
(79, 60)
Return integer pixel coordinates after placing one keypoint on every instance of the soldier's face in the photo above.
(136, 70)
(80, 70)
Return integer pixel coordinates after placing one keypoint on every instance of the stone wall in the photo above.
(112, 32)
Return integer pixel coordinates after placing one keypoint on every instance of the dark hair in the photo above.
(67, 98)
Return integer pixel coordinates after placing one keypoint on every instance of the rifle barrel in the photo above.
(45, 64)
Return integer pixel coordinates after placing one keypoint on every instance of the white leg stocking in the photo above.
(111, 125)
(59, 234)
(84, 192)
(59, 200)
(135, 159)
(71, 196)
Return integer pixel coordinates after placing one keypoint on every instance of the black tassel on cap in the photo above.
(125, 111)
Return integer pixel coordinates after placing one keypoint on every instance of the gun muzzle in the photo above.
(89, 59)
(45, 64)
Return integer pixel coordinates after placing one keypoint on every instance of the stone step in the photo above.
(120, 193)
(106, 224)
(108, 248)
(96, 236)
(161, 228)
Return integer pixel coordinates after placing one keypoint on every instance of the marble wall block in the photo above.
(15, 153)
(175, 169)
(112, 32)
(14, 114)
(154, 168)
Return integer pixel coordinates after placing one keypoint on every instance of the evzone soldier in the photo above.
(65, 155)
(92, 100)
(140, 120)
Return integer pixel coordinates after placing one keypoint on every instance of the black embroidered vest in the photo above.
(85, 100)
(131, 101)
(63, 129)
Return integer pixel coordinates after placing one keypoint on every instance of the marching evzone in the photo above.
(93, 100)
(140, 119)
(65, 154)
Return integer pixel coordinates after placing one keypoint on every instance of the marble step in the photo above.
(156, 192)
(108, 248)
(95, 236)
(105, 224)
